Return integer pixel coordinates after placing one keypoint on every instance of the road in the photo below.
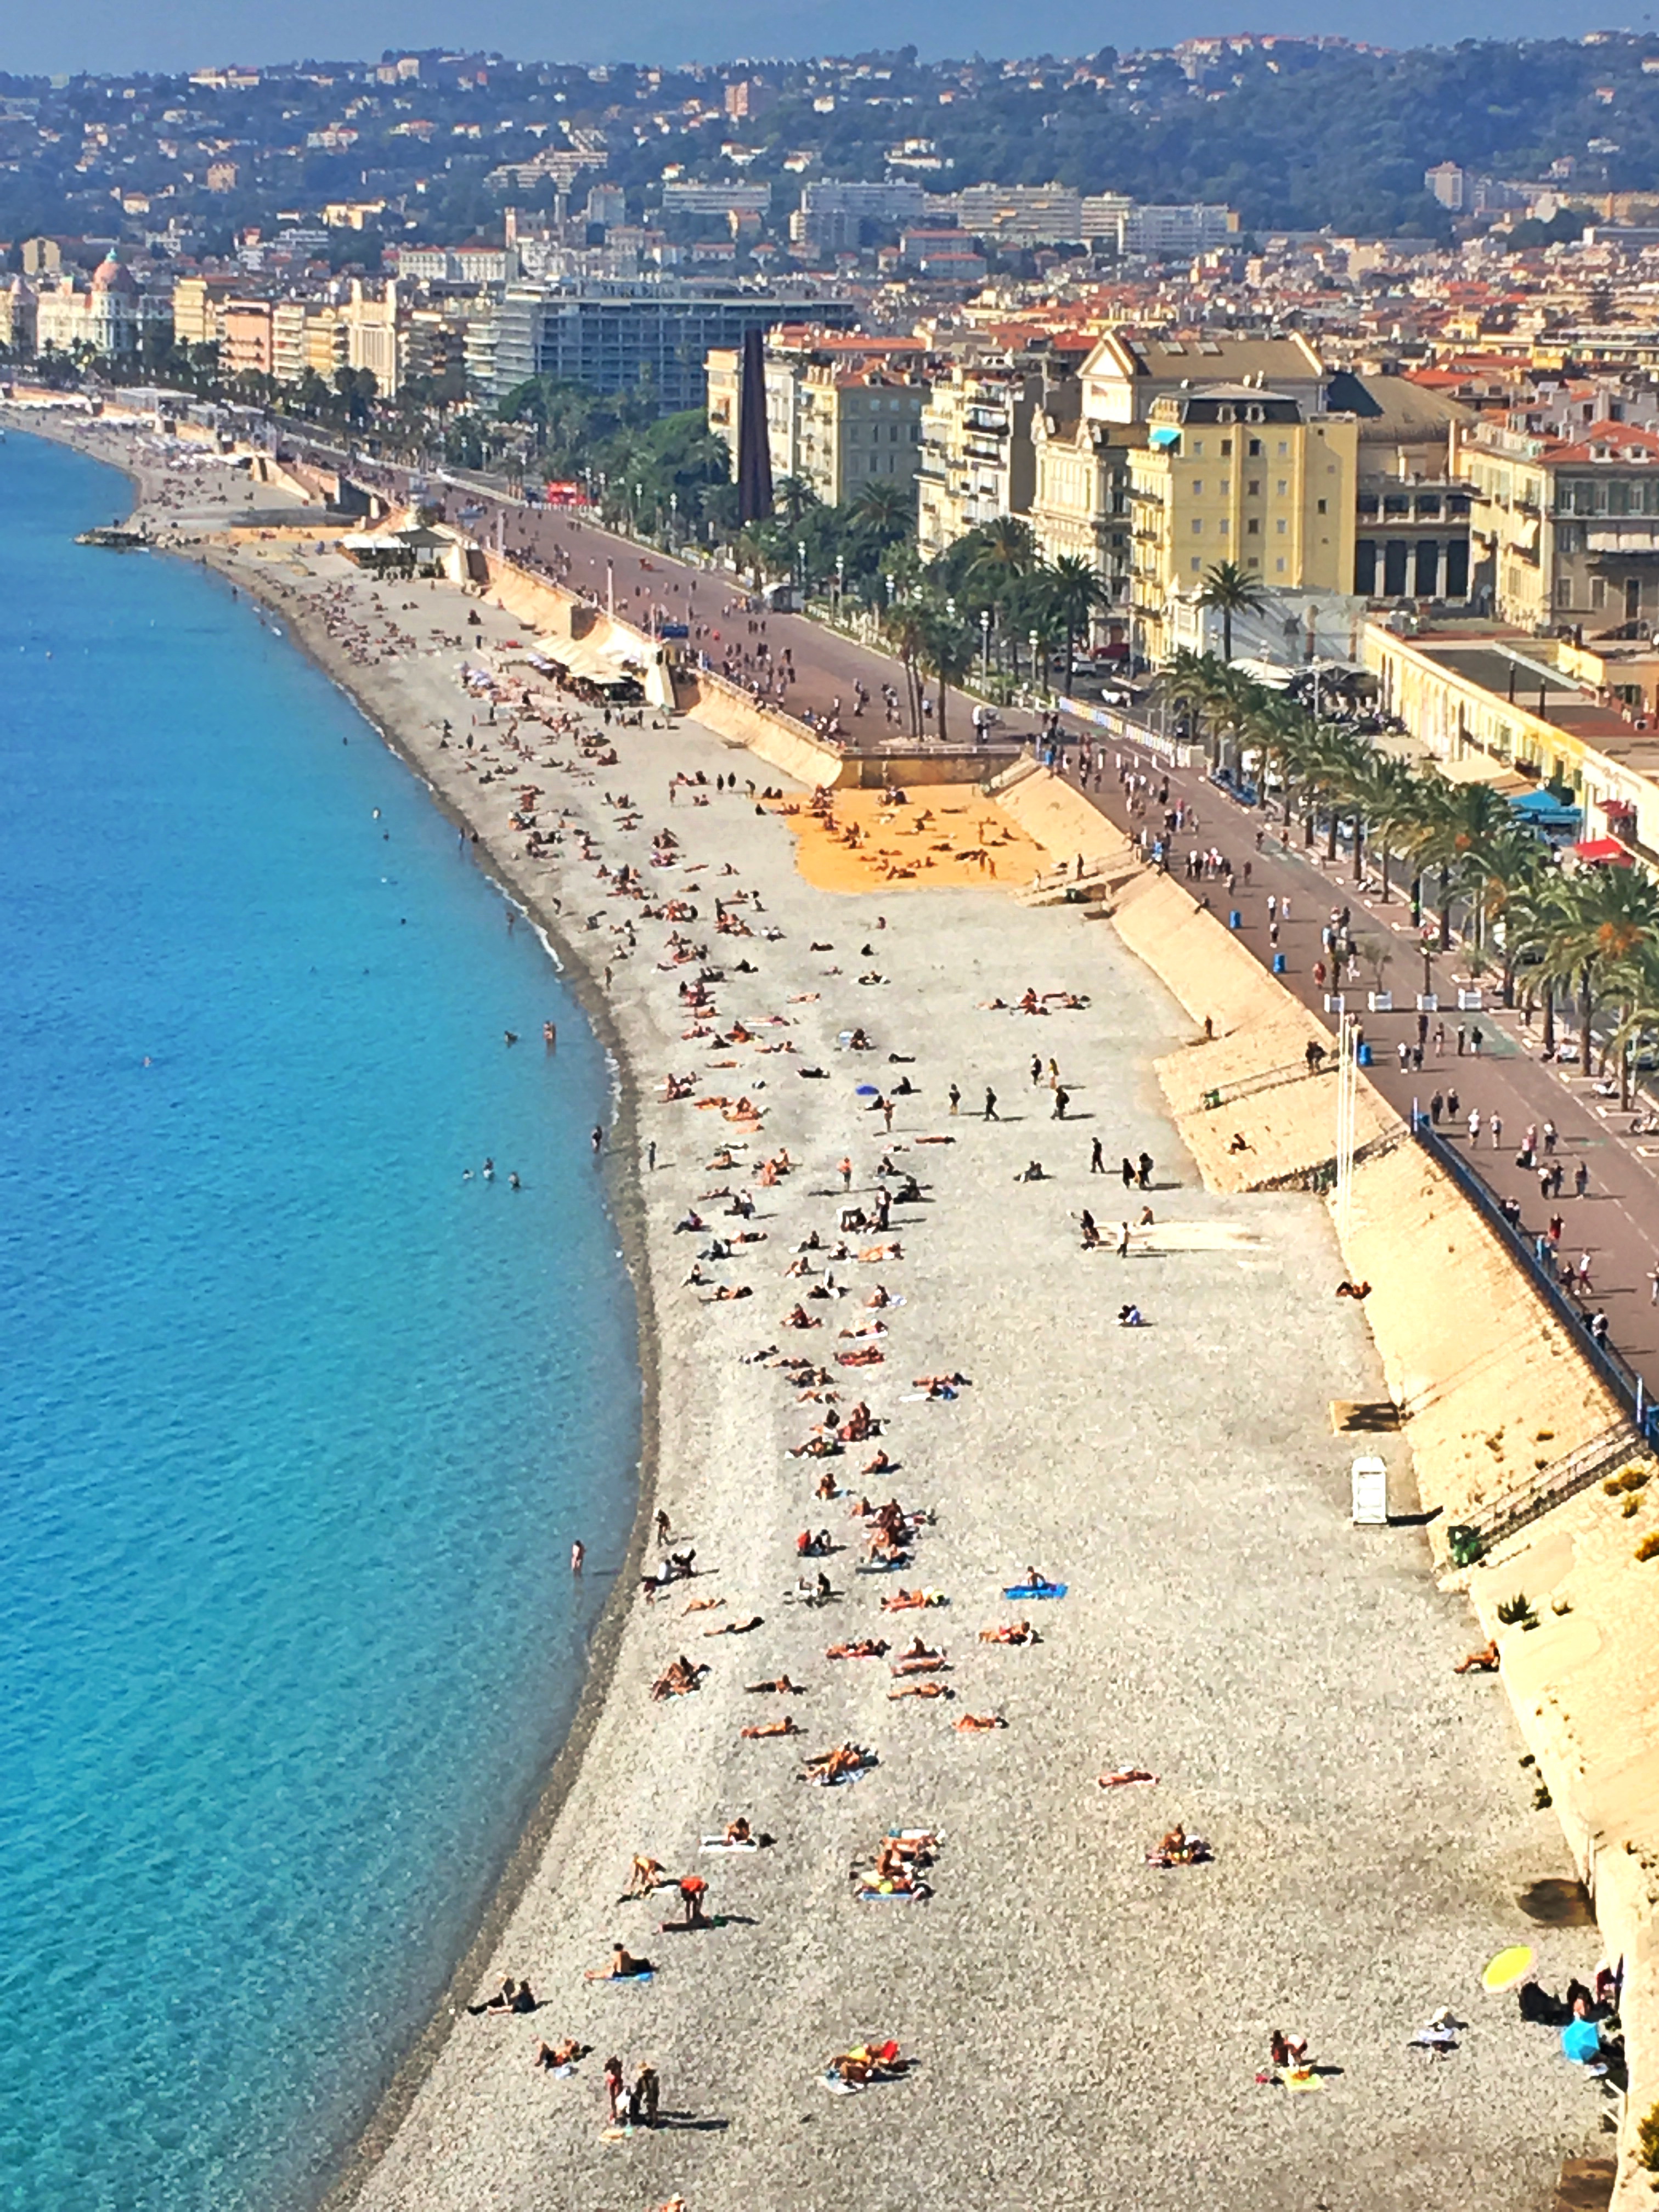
(1616, 1221)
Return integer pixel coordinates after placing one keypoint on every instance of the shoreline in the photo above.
(355, 2160)
(368, 2162)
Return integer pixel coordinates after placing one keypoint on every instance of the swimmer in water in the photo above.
(489, 1170)
(513, 1183)
(466, 1175)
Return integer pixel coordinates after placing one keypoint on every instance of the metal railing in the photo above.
(1554, 1485)
(1616, 1370)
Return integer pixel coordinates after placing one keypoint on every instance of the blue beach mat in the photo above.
(1031, 1589)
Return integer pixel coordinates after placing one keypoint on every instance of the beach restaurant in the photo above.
(416, 552)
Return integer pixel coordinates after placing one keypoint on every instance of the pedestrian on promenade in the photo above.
(1452, 1107)
(1437, 1107)
(1496, 1131)
(1474, 1124)
(1598, 1329)
(1581, 1179)
(1475, 1040)
(1439, 1039)
(1556, 1231)
(1653, 1284)
(1584, 1274)
(1462, 1040)
(1403, 1051)
(1550, 1134)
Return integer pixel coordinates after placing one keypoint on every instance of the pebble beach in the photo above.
(1078, 2026)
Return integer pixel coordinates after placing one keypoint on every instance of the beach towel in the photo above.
(1036, 1589)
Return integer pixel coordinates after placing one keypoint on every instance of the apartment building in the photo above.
(108, 316)
(832, 216)
(307, 335)
(619, 336)
(1081, 499)
(198, 307)
(1240, 473)
(18, 310)
(828, 392)
(1566, 531)
(977, 460)
(1412, 510)
(245, 344)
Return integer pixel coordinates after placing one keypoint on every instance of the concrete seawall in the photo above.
(1492, 1389)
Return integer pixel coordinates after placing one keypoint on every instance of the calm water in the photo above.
(295, 1426)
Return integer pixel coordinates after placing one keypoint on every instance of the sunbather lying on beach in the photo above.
(866, 1648)
(678, 1679)
(1179, 1849)
(735, 1627)
(739, 1831)
(911, 1601)
(919, 1690)
(704, 1604)
(755, 1734)
(559, 2054)
(835, 1764)
(782, 1687)
(624, 1967)
(1483, 1661)
(1019, 1632)
(932, 1664)
(940, 1385)
(977, 1724)
(865, 2063)
(1120, 1777)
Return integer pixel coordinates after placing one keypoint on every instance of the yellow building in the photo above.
(1080, 508)
(1567, 530)
(198, 308)
(1234, 472)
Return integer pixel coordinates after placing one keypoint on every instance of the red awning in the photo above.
(1601, 849)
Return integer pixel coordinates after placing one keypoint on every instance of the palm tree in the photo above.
(902, 628)
(1007, 549)
(796, 494)
(1186, 680)
(886, 504)
(1609, 914)
(1229, 590)
(1075, 593)
(948, 650)
(1388, 796)
(1460, 818)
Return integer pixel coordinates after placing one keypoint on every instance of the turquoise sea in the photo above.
(298, 1424)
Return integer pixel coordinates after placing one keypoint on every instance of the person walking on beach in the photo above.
(847, 1174)
(1144, 1175)
(613, 2087)
(955, 1094)
(991, 1112)
(1062, 1100)
(1097, 1159)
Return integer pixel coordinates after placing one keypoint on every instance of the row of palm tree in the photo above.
(1588, 937)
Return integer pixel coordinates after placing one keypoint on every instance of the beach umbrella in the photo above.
(1504, 1972)
(1582, 2041)
(866, 1090)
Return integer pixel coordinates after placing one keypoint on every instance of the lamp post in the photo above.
(984, 647)
(800, 557)
(1035, 642)
(840, 582)
(673, 518)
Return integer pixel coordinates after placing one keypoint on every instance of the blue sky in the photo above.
(115, 34)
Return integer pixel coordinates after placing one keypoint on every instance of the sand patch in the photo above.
(865, 844)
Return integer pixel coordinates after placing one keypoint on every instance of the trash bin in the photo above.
(1464, 1544)
(1365, 1055)
(1279, 963)
(1234, 919)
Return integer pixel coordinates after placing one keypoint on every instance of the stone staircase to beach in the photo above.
(1553, 1486)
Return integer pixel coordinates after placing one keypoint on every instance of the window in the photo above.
(1197, 564)
(1564, 591)
(1253, 527)
(1598, 592)
(1254, 487)
(1282, 486)
(1222, 526)
(1197, 448)
(1198, 487)
(1281, 525)
(1253, 563)
(1198, 527)
(1322, 506)
(1255, 449)
(1279, 566)
(1285, 446)
(1226, 449)
(1226, 486)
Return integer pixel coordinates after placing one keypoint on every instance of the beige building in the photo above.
(1236, 472)
(841, 409)
(1567, 531)
(977, 458)
(18, 308)
(372, 334)
(1126, 373)
(245, 349)
(198, 308)
(1081, 505)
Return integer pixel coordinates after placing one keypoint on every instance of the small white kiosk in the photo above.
(1371, 1493)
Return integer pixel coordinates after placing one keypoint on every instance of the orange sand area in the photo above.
(928, 843)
